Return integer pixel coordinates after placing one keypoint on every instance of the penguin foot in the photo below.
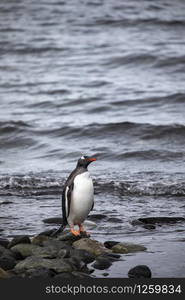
(75, 232)
(83, 231)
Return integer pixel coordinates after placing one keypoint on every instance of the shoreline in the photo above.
(64, 256)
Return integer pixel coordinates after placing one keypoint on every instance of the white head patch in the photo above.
(82, 157)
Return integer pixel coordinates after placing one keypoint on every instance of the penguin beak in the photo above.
(90, 159)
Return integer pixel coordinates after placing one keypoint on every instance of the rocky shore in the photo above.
(64, 256)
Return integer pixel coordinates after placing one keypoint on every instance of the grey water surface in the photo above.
(102, 78)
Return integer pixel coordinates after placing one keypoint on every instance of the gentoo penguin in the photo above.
(78, 196)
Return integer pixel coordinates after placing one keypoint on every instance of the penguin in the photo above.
(77, 196)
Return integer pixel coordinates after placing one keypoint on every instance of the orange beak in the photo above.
(91, 159)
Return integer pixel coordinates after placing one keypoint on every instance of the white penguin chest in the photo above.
(82, 197)
(83, 190)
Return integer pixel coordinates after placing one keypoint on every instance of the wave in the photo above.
(144, 131)
(15, 134)
(124, 21)
(153, 154)
(176, 98)
(36, 185)
(12, 126)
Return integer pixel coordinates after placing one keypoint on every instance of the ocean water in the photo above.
(102, 78)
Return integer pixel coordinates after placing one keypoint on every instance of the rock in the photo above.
(113, 256)
(4, 274)
(140, 271)
(127, 248)
(80, 274)
(105, 274)
(64, 275)
(6, 252)
(161, 220)
(48, 232)
(149, 226)
(101, 263)
(4, 242)
(55, 220)
(82, 254)
(57, 244)
(71, 237)
(110, 244)
(39, 240)
(23, 239)
(63, 253)
(136, 222)
(25, 250)
(94, 247)
(7, 262)
(36, 262)
(50, 252)
(39, 273)
(77, 263)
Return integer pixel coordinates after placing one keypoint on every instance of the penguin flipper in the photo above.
(92, 206)
(66, 202)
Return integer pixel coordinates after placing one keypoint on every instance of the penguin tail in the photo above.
(59, 230)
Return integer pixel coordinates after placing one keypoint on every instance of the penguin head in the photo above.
(84, 161)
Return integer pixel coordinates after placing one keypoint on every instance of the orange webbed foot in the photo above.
(75, 232)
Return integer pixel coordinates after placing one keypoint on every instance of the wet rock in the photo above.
(80, 274)
(63, 253)
(23, 239)
(105, 274)
(7, 262)
(7, 252)
(76, 263)
(71, 237)
(39, 240)
(101, 263)
(113, 256)
(57, 244)
(48, 232)
(25, 250)
(64, 275)
(35, 262)
(140, 271)
(127, 248)
(82, 254)
(4, 274)
(55, 220)
(136, 222)
(50, 252)
(94, 247)
(39, 273)
(149, 226)
(110, 244)
(161, 220)
(4, 242)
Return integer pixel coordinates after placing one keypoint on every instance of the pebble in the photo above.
(140, 271)
(101, 263)
(23, 239)
(7, 262)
